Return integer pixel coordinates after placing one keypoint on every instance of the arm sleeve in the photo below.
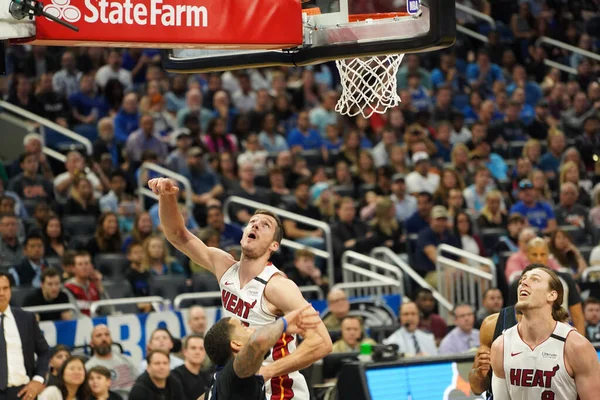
(500, 388)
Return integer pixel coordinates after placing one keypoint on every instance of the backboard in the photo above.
(333, 30)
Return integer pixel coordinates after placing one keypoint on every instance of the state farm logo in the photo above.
(62, 9)
(129, 12)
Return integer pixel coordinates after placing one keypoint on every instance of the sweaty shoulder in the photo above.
(578, 352)
(283, 295)
(486, 332)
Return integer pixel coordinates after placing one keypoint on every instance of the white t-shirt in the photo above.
(65, 175)
(416, 182)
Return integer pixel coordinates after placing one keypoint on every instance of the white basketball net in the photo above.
(369, 85)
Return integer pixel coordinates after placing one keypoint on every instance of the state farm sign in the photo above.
(174, 23)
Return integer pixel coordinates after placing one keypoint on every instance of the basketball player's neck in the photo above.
(251, 267)
(536, 326)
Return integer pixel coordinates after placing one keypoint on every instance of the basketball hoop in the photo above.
(369, 84)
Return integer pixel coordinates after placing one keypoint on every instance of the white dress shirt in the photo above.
(17, 375)
(415, 182)
(403, 339)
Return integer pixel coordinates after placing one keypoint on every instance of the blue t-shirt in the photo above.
(231, 236)
(203, 182)
(443, 152)
(494, 74)
(415, 223)
(85, 105)
(333, 146)
(313, 141)
(533, 93)
(125, 123)
(548, 162)
(428, 237)
(538, 215)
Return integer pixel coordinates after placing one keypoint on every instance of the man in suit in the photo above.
(20, 340)
(29, 271)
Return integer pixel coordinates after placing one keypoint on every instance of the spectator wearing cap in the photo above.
(406, 204)
(542, 121)
(29, 271)
(550, 161)
(573, 119)
(107, 143)
(145, 138)
(539, 214)
(421, 179)
(29, 185)
(49, 293)
(589, 143)
(75, 165)
(66, 80)
(429, 239)
(177, 159)
(303, 137)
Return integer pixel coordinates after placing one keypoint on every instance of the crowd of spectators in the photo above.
(489, 149)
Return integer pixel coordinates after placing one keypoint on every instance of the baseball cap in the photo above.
(439, 212)
(420, 156)
(195, 152)
(398, 177)
(525, 184)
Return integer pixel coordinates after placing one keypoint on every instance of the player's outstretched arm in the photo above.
(250, 358)
(499, 386)
(582, 358)
(285, 296)
(478, 376)
(212, 259)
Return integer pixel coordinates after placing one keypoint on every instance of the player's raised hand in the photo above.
(302, 319)
(163, 186)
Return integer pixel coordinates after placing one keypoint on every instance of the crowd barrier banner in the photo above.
(132, 330)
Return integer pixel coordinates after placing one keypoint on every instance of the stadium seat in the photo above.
(515, 149)
(118, 290)
(490, 237)
(365, 188)
(30, 205)
(19, 294)
(54, 262)
(112, 266)
(344, 190)
(168, 286)
(79, 225)
(313, 158)
(79, 242)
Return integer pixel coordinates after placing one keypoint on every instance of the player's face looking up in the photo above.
(259, 236)
(534, 290)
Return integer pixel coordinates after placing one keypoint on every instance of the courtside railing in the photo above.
(461, 282)
(55, 308)
(156, 301)
(327, 254)
(217, 295)
(143, 184)
(360, 280)
(386, 254)
(48, 124)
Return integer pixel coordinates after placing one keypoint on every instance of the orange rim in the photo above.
(362, 17)
(312, 11)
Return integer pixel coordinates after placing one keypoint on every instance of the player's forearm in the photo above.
(248, 361)
(171, 219)
(314, 347)
(478, 385)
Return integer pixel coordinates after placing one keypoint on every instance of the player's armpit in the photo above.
(582, 359)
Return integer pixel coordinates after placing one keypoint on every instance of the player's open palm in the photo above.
(163, 186)
(302, 319)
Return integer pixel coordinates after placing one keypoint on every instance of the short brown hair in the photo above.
(68, 257)
(151, 353)
(278, 235)
(590, 300)
(100, 370)
(304, 253)
(190, 337)
(49, 273)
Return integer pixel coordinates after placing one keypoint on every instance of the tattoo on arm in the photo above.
(249, 360)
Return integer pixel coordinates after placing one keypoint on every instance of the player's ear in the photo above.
(274, 246)
(553, 295)
(236, 345)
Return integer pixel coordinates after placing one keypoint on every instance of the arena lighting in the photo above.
(21, 9)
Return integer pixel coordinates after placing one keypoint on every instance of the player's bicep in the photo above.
(210, 258)
(583, 359)
(497, 357)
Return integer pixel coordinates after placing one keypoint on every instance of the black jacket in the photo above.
(145, 389)
(33, 343)
(26, 272)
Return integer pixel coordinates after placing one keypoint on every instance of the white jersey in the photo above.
(540, 373)
(247, 305)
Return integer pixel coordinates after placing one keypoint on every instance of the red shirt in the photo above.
(85, 295)
(436, 325)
